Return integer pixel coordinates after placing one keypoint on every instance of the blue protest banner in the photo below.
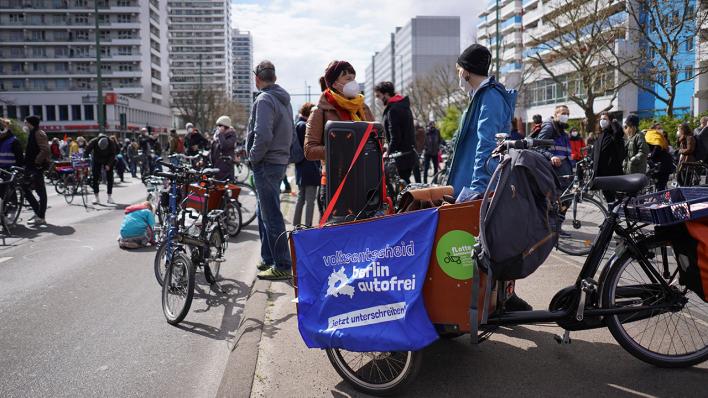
(360, 285)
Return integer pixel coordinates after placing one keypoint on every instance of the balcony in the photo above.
(509, 10)
(513, 22)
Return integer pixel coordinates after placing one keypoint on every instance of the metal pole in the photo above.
(498, 39)
(199, 103)
(99, 81)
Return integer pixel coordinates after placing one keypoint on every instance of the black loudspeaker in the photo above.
(361, 195)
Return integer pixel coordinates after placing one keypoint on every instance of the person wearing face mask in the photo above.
(560, 153)
(340, 101)
(636, 149)
(222, 149)
(608, 151)
(10, 151)
(37, 157)
(194, 141)
(399, 128)
(576, 146)
(489, 112)
(270, 132)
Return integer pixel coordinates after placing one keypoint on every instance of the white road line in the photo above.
(633, 392)
(3, 259)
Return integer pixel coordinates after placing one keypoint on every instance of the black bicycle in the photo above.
(12, 197)
(206, 243)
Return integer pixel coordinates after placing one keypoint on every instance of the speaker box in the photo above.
(361, 196)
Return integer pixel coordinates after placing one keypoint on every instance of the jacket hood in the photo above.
(398, 99)
(279, 93)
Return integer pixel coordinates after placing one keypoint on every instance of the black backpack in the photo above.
(519, 224)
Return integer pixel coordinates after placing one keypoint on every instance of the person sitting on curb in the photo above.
(136, 231)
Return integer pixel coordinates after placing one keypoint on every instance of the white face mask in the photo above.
(465, 85)
(604, 123)
(574, 133)
(25, 129)
(189, 130)
(563, 119)
(351, 89)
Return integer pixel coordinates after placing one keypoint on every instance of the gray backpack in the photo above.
(519, 224)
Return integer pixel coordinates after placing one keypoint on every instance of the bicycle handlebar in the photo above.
(527, 143)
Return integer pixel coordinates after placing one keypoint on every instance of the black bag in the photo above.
(297, 154)
(519, 224)
(689, 242)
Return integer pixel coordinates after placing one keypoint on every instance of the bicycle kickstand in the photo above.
(565, 339)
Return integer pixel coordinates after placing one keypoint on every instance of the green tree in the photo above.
(16, 128)
(450, 122)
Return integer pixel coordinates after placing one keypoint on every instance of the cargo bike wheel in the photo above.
(674, 337)
(376, 373)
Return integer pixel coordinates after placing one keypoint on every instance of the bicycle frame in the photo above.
(584, 282)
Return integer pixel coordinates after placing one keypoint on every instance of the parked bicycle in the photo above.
(692, 174)
(12, 198)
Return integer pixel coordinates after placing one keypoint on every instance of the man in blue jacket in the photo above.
(559, 153)
(489, 113)
(270, 133)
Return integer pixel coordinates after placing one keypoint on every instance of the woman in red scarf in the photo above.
(340, 100)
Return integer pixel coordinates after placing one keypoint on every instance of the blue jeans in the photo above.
(271, 226)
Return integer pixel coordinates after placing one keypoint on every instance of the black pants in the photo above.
(426, 163)
(416, 170)
(36, 184)
(96, 171)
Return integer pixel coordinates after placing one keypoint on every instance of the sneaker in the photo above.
(272, 274)
(110, 200)
(516, 303)
(96, 201)
(31, 219)
(262, 266)
(38, 221)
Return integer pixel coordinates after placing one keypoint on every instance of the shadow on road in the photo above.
(21, 231)
(227, 294)
(530, 363)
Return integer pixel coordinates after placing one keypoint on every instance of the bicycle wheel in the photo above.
(242, 172)
(376, 373)
(233, 218)
(59, 186)
(675, 337)
(217, 247)
(12, 206)
(248, 201)
(70, 188)
(178, 289)
(580, 224)
(160, 261)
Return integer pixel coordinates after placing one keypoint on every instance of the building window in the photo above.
(124, 18)
(63, 112)
(51, 113)
(16, 67)
(125, 50)
(18, 84)
(12, 112)
(82, 35)
(689, 44)
(24, 111)
(688, 73)
(17, 18)
(88, 112)
(38, 35)
(60, 52)
(37, 110)
(81, 19)
(61, 84)
(39, 52)
(76, 112)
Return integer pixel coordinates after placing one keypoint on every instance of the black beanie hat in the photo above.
(632, 120)
(475, 59)
(33, 120)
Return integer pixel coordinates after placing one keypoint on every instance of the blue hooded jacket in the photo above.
(489, 113)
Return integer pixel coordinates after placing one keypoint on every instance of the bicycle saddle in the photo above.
(210, 171)
(631, 183)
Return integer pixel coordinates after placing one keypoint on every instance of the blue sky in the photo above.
(301, 37)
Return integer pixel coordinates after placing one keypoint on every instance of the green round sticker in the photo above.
(454, 254)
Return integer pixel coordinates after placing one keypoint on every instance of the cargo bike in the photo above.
(652, 292)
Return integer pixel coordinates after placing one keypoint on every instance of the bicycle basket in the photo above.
(669, 207)
(196, 196)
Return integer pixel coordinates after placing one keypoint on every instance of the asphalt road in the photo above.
(81, 317)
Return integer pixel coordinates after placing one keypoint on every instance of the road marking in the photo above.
(629, 390)
(3, 259)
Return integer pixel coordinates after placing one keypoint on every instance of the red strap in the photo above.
(335, 198)
(389, 201)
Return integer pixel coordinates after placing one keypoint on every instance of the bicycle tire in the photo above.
(620, 326)
(3, 219)
(160, 262)
(241, 172)
(179, 281)
(405, 374)
(217, 248)
(234, 218)
(248, 201)
(578, 234)
(12, 206)
(71, 189)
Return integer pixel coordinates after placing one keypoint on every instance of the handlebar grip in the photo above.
(170, 176)
(536, 142)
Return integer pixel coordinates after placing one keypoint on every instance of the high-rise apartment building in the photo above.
(415, 50)
(200, 46)
(500, 30)
(242, 54)
(48, 63)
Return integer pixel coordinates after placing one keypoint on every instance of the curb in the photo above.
(237, 380)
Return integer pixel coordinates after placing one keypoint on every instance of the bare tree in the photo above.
(666, 33)
(434, 92)
(576, 55)
(203, 107)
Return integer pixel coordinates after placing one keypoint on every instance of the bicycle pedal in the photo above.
(218, 260)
